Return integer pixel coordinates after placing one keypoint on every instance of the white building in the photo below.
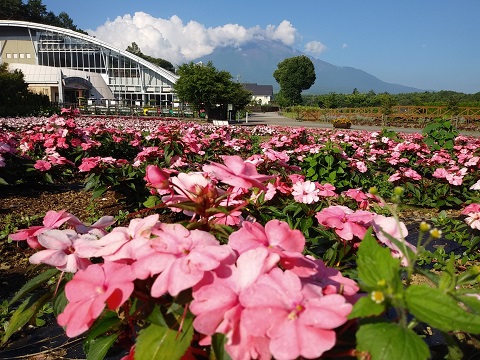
(67, 65)
(262, 94)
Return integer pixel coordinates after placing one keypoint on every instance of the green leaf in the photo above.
(152, 201)
(162, 343)
(26, 311)
(365, 307)
(34, 284)
(3, 182)
(48, 178)
(218, 346)
(376, 265)
(99, 347)
(103, 325)
(440, 310)
(391, 341)
(60, 301)
(99, 192)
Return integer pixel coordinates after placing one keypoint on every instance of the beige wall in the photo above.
(17, 51)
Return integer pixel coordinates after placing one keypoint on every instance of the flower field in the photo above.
(280, 242)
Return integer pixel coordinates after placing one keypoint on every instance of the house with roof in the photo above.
(262, 94)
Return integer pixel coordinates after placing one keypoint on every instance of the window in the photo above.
(15, 56)
(9, 56)
(22, 56)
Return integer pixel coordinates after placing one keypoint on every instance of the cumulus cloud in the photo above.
(315, 47)
(177, 42)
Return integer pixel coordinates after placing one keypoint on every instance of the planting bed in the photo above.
(296, 202)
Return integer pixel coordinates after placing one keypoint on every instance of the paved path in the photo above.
(272, 118)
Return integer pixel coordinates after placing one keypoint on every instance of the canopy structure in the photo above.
(66, 65)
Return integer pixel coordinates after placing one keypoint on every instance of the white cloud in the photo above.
(315, 47)
(344, 46)
(177, 42)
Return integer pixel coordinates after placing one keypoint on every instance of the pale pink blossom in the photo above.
(475, 186)
(331, 281)
(52, 220)
(305, 192)
(347, 223)
(296, 323)
(410, 173)
(89, 291)
(180, 257)
(326, 189)
(456, 177)
(217, 307)
(473, 220)
(360, 165)
(236, 172)
(395, 177)
(385, 227)
(440, 173)
(59, 251)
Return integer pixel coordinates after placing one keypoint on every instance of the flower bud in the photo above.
(373, 190)
(424, 227)
(398, 191)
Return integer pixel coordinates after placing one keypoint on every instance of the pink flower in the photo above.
(237, 172)
(440, 173)
(275, 235)
(360, 165)
(388, 226)
(42, 165)
(331, 281)
(471, 209)
(410, 173)
(475, 186)
(180, 257)
(305, 192)
(456, 177)
(90, 289)
(52, 220)
(192, 186)
(89, 164)
(473, 220)
(296, 323)
(356, 194)
(59, 251)
(157, 178)
(278, 238)
(212, 302)
(347, 223)
(394, 177)
(121, 243)
(326, 189)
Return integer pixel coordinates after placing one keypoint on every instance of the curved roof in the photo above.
(25, 24)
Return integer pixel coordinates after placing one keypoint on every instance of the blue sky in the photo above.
(427, 44)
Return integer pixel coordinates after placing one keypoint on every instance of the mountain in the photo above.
(256, 61)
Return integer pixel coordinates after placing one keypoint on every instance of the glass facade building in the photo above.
(130, 78)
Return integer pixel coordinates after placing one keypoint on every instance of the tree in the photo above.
(135, 49)
(15, 98)
(205, 87)
(294, 75)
